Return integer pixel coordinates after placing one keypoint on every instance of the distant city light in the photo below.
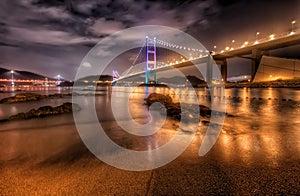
(272, 36)
(12, 77)
(292, 33)
(293, 23)
(256, 37)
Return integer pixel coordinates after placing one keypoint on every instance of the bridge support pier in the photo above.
(209, 70)
(147, 77)
(223, 68)
(256, 57)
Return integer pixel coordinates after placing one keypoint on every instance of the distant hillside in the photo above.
(21, 75)
(2, 71)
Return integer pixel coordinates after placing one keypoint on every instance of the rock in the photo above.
(156, 97)
(24, 97)
(47, 111)
(17, 116)
(204, 111)
(206, 122)
(174, 109)
(44, 111)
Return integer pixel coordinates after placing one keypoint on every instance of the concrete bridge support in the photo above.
(256, 58)
(209, 70)
(223, 68)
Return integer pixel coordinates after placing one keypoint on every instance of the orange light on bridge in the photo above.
(272, 36)
(293, 23)
(256, 37)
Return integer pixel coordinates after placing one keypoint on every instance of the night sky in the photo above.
(51, 37)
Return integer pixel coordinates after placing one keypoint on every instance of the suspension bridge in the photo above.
(146, 62)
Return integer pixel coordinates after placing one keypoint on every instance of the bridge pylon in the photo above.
(115, 75)
(151, 59)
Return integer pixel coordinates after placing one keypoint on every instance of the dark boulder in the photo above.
(25, 97)
(18, 116)
(47, 111)
(156, 97)
(174, 110)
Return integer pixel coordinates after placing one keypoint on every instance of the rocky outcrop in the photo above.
(46, 111)
(174, 109)
(25, 97)
(156, 97)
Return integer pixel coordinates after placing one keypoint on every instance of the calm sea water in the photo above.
(265, 125)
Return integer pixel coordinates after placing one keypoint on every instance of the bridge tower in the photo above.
(150, 59)
(115, 74)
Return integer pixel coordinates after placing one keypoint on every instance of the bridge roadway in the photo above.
(256, 50)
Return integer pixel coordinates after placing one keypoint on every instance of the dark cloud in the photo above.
(8, 45)
(51, 36)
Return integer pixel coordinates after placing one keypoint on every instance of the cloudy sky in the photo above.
(51, 37)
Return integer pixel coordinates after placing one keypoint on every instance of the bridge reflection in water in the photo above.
(263, 129)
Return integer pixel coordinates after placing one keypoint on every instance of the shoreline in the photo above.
(74, 170)
(39, 160)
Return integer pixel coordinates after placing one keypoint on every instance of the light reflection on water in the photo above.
(265, 126)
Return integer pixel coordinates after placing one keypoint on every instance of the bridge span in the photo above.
(249, 50)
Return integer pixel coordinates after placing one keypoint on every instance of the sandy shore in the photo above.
(75, 171)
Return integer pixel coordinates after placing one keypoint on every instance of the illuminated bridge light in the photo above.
(292, 33)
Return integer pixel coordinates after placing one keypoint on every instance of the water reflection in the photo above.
(265, 126)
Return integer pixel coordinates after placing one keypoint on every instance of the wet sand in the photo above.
(56, 162)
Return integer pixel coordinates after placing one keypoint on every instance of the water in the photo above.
(264, 127)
